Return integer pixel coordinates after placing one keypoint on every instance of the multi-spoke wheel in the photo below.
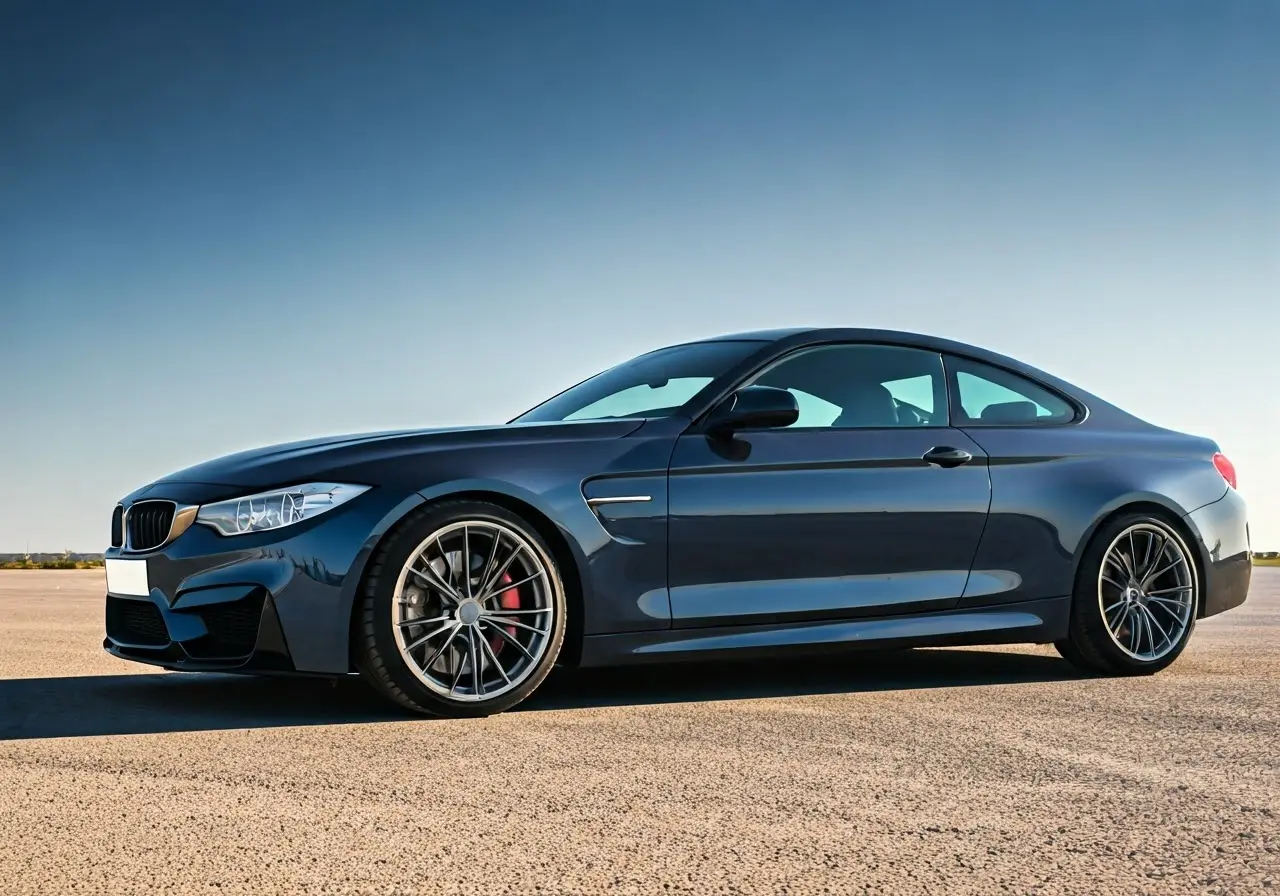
(1136, 598)
(463, 613)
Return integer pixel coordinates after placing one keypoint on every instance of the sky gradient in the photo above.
(227, 225)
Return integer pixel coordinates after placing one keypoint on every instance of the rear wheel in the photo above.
(463, 613)
(1136, 599)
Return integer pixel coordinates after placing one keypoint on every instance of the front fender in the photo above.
(355, 572)
(560, 506)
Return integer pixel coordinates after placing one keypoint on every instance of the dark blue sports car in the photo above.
(740, 496)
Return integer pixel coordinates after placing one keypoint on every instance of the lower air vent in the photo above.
(135, 622)
(233, 628)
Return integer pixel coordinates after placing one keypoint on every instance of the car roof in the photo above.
(800, 336)
(816, 335)
(759, 335)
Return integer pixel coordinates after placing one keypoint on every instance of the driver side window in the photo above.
(862, 386)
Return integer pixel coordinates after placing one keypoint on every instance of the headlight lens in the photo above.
(276, 509)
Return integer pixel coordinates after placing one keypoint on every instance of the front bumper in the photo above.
(228, 629)
(264, 602)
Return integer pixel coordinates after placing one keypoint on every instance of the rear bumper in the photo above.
(1222, 529)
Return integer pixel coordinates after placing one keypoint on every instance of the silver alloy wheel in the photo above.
(1147, 591)
(473, 629)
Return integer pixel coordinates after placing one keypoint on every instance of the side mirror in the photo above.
(754, 407)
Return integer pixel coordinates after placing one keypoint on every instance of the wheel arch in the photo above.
(1166, 512)
(565, 557)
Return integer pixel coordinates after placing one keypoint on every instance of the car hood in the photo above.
(297, 462)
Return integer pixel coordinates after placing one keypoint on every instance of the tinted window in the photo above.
(989, 396)
(653, 385)
(638, 400)
(862, 386)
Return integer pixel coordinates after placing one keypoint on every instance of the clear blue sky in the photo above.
(226, 225)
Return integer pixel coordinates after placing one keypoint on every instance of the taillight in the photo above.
(1226, 468)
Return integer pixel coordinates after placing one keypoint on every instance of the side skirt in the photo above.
(1036, 621)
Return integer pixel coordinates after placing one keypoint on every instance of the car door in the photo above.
(869, 504)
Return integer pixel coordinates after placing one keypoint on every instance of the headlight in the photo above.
(276, 509)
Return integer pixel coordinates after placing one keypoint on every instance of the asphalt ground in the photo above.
(929, 771)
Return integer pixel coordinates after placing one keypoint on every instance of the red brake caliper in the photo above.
(507, 600)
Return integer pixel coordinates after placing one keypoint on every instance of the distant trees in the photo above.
(68, 559)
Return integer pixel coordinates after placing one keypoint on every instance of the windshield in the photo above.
(653, 385)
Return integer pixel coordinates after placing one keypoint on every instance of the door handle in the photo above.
(944, 456)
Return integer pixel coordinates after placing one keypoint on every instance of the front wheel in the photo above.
(463, 613)
(1135, 601)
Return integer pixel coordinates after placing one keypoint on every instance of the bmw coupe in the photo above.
(799, 490)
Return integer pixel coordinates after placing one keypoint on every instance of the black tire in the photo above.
(377, 652)
(1089, 645)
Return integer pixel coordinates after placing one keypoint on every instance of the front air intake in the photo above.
(148, 524)
(135, 623)
(232, 627)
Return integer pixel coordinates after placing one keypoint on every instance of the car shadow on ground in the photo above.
(152, 704)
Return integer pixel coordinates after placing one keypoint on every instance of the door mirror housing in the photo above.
(754, 407)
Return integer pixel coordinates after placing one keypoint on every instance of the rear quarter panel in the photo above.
(1052, 486)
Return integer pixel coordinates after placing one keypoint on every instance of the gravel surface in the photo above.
(938, 771)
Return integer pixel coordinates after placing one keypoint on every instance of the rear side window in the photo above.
(990, 396)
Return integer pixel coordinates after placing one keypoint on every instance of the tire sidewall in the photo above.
(380, 595)
(1090, 630)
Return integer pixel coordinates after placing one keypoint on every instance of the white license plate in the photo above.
(128, 577)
